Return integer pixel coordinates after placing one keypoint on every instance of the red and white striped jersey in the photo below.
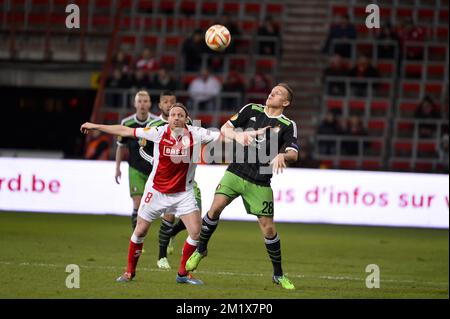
(175, 158)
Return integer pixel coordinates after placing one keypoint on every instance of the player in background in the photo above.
(247, 180)
(169, 188)
(139, 169)
(168, 229)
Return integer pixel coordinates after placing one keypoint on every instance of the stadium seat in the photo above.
(436, 72)
(167, 6)
(426, 149)
(374, 148)
(274, 9)
(376, 127)
(187, 79)
(232, 8)
(412, 70)
(403, 148)
(252, 9)
(386, 69)
(150, 41)
(267, 65)
(207, 120)
(423, 166)
(379, 107)
(249, 26)
(410, 90)
(125, 5)
(434, 89)
(426, 15)
(335, 104)
(357, 107)
(348, 164)
(437, 53)
(404, 12)
(407, 109)
(128, 43)
(169, 61)
(339, 9)
(239, 63)
(145, 6)
(443, 16)
(441, 33)
(326, 163)
(173, 43)
(405, 129)
(371, 164)
(188, 7)
(400, 165)
(209, 8)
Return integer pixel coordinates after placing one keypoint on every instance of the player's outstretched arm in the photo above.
(109, 129)
(243, 138)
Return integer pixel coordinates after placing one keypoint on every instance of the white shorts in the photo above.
(154, 204)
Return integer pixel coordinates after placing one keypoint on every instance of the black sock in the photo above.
(273, 247)
(134, 218)
(179, 226)
(208, 228)
(164, 237)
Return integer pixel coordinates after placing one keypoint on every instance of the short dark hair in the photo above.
(166, 93)
(289, 89)
(181, 105)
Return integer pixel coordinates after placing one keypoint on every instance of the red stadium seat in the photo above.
(173, 43)
(442, 33)
(423, 166)
(252, 9)
(426, 149)
(403, 148)
(239, 64)
(386, 69)
(209, 8)
(400, 165)
(436, 72)
(404, 12)
(125, 4)
(437, 53)
(371, 164)
(150, 41)
(188, 7)
(167, 6)
(379, 107)
(443, 16)
(145, 5)
(335, 104)
(326, 164)
(249, 26)
(410, 90)
(206, 120)
(425, 15)
(274, 9)
(407, 109)
(231, 8)
(412, 70)
(405, 129)
(187, 79)
(168, 61)
(348, 164)
(337, 9)
(376, 127)
(265, 64)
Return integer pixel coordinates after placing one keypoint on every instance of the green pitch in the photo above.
(324, 261)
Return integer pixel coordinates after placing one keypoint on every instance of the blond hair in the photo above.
(142, 93)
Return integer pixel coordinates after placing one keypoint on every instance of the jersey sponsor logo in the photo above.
(171, 151)
(253, 119)
(276, 129)
(146, 129)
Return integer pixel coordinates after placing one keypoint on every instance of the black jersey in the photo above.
(282, 129)
(134, 159)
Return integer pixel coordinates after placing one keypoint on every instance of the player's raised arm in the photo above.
(243, 138)
(109, 129)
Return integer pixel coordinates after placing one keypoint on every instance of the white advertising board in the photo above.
(301, 195)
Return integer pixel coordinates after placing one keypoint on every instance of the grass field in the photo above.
(324, 261)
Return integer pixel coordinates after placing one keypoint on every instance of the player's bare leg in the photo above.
(193, 225)
(135, 249)
(136, 203)
(165, 233)
(273, 247)
(209, 225)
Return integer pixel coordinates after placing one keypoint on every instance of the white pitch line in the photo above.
(224, 273)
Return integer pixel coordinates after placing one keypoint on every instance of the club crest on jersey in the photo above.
(186, 141)
(276, 129)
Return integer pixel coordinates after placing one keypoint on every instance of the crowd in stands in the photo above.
(351, 71)
(146, 71)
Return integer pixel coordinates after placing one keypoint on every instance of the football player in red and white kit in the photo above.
(169, 187)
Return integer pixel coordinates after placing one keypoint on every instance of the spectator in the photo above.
(408, 32)
(203, 90)
(353, 127)
(443, 154)
(234, 82)
(116, 81)
(427, 110)
(140, 80)
(235, 32)
(193, 48)
(329, 126)
(341, 28)
(269, 29)
(362, 70)
(162, 81)
(259, 83)
(388, 50)
(147, 61)
(336, 68)
(122, 62)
